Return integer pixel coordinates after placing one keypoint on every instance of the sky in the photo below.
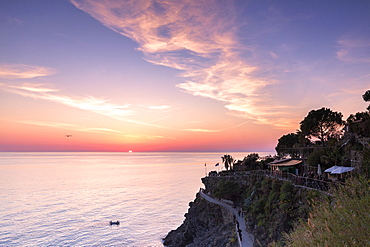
(185, 75)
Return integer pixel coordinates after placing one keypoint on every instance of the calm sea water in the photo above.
(54, 199)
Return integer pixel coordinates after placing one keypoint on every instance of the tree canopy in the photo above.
(286, 143)
(323, 124)
(251, 161)
(359, 123)
(228, 160)
(366, 97)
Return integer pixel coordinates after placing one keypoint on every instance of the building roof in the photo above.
(285, 162)
(331, 168)
(339, 169)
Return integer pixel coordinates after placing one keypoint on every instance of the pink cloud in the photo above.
(22, 71)
(353, 50)
(205, 32)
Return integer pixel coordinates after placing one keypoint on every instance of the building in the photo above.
(290, 165)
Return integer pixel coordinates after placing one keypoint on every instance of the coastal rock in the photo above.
(271, 209)
(205, 224)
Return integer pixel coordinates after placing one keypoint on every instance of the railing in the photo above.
(301, 181)
(316, 184)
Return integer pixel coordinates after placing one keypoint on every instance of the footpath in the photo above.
(244, 237)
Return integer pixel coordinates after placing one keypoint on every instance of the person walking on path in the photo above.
(246, 239)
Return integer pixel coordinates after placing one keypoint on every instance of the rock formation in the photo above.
(205, 224)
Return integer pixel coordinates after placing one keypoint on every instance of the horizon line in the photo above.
(89, 151)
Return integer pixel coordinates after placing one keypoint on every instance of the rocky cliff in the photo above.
(271, 209)
(205, 224)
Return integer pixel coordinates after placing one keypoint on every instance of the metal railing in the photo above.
(316, 184)
(301, 181)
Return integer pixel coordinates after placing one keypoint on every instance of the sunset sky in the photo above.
(178, 75)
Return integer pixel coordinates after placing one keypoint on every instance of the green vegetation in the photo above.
(288, 142)
(324, 138)
(274, 208)
(228, 161)
(323, 124)
(328, 157)
(366, 97)
(365, 165)
(252, 162)
(359, 123)
(343, 220)
(229, 190)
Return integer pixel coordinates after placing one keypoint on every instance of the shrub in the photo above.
(229, 190)
(344, 221)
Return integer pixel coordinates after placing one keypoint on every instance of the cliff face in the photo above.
(205, 224)
(271, 208)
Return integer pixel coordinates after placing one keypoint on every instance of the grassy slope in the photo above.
(342, 221)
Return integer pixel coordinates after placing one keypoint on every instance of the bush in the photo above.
(229, 190)
(344, 221)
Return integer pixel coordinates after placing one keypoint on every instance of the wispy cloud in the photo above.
(32, 87)
(22, 71)
(141, 137)
(197, 37)
(101, 130)
(159, 107)
(89, 103)
(353, 50)
(68, 126)
(203, 130)
(160, 137)
(48, 124)
(93, 104)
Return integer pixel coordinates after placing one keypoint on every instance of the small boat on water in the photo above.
(114, 223)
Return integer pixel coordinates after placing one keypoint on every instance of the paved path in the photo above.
(247, 238)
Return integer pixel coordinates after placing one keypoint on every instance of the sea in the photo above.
(69, 198)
